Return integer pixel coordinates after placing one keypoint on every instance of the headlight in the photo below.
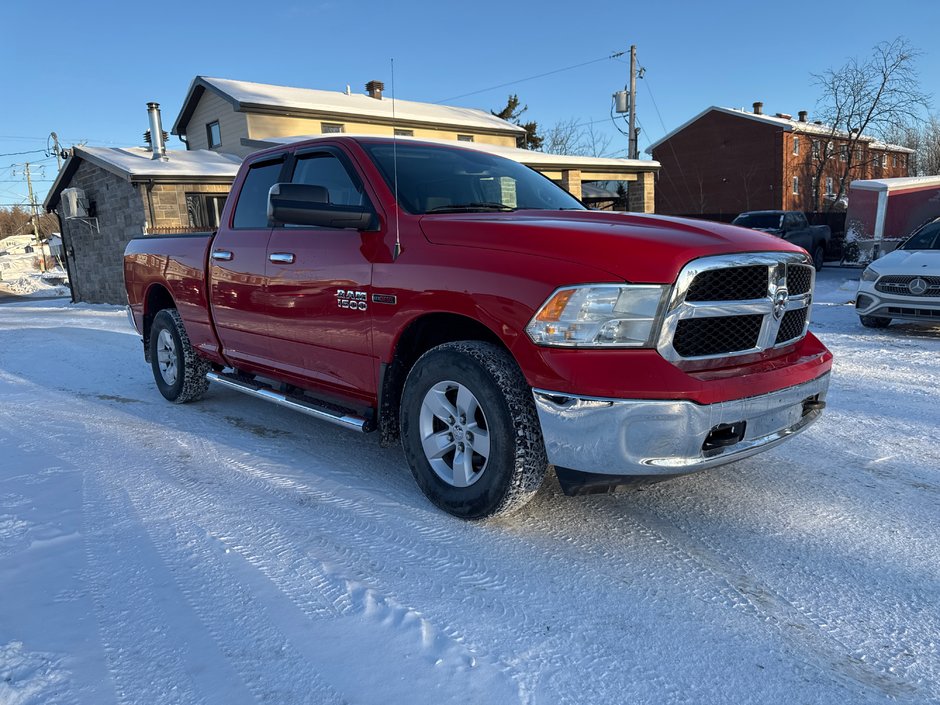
(605, 315)
(870, 275)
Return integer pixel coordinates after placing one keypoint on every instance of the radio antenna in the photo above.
(397, 250)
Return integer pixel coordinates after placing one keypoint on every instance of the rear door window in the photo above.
(251, 211)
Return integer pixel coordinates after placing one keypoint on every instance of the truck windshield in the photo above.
(442, 180)
(927, 238)
(768, 221)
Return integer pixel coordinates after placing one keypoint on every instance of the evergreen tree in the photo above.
(512, 113)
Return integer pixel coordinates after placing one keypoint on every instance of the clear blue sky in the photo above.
(86, 70)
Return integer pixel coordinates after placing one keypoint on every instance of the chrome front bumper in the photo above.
(661, 437)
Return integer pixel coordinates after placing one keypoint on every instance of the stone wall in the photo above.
(641, 193)
(96, 255)
(124, 211)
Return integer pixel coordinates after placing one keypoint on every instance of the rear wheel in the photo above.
(470, 430)
(819, 257)
(179, 372)
(875, 321)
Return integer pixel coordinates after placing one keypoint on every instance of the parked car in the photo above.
(905, 283)
(793, 227)
(467, 305)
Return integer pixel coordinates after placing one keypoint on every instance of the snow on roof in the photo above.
(245, 94)
(788, 125)
(524, 156)
(898, 184)
(138, 161)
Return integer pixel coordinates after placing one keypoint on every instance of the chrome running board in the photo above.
(261, 391)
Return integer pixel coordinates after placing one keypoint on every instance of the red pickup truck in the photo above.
(467, 305)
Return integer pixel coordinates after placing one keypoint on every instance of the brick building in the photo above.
(125, 192)
(724, 161)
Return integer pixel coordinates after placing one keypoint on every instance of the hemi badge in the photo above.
(384, 299)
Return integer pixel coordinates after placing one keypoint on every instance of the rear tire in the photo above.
(470, 430)
(819, 257)
(875, 321)
(179, 372)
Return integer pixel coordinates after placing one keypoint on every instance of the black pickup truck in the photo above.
(793, 227)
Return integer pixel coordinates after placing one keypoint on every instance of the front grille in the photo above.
(799, 278)
(716, 334)
(791, 326)
(927, 313)
(897, 284)
(731, 284)
(732, 305)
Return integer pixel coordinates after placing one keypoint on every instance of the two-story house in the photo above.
(725, 160)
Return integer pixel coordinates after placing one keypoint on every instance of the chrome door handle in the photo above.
(281, 257)
(223, 255)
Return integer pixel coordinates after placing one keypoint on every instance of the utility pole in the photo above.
(58, 150)
(632, 152)
(35, 219)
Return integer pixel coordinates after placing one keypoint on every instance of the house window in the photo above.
(214, 134)
(815, 149)
(330, 128)
(796, 185)
(829, 191)
(844, 153)
(815, 183)
(884, 160)
(204, 209)
(465, 138)
(796, 145)
(404, 133)
(895, 159)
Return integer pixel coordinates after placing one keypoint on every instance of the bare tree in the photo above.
(873, 96)
(574, 138)
(924, 139)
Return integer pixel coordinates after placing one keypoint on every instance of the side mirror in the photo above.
(306, 204)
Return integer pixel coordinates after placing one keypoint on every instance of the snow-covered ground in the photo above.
(229, 552)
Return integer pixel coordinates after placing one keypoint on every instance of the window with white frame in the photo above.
(465, 138)
(829, 191)
(796, 145)
(815, 149)
(796, 185)
(329, 128)
(844, 153)
(884, 159)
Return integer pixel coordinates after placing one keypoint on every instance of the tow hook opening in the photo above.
(813, 404)
(724, 435)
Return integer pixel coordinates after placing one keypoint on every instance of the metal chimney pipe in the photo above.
(156, 131)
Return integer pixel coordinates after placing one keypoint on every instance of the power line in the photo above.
(530, 78)
(15, 154)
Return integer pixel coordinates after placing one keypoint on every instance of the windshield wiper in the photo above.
(469, 207)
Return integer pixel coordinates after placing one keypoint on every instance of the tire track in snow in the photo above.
(264, 658)
(368, 537)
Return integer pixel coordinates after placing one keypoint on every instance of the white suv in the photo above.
(904, 284)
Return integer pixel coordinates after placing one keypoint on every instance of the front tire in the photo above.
(875, 321)
(179, 372)
(470, 430)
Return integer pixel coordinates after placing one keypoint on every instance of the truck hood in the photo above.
(634, 247)
(920, 262)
